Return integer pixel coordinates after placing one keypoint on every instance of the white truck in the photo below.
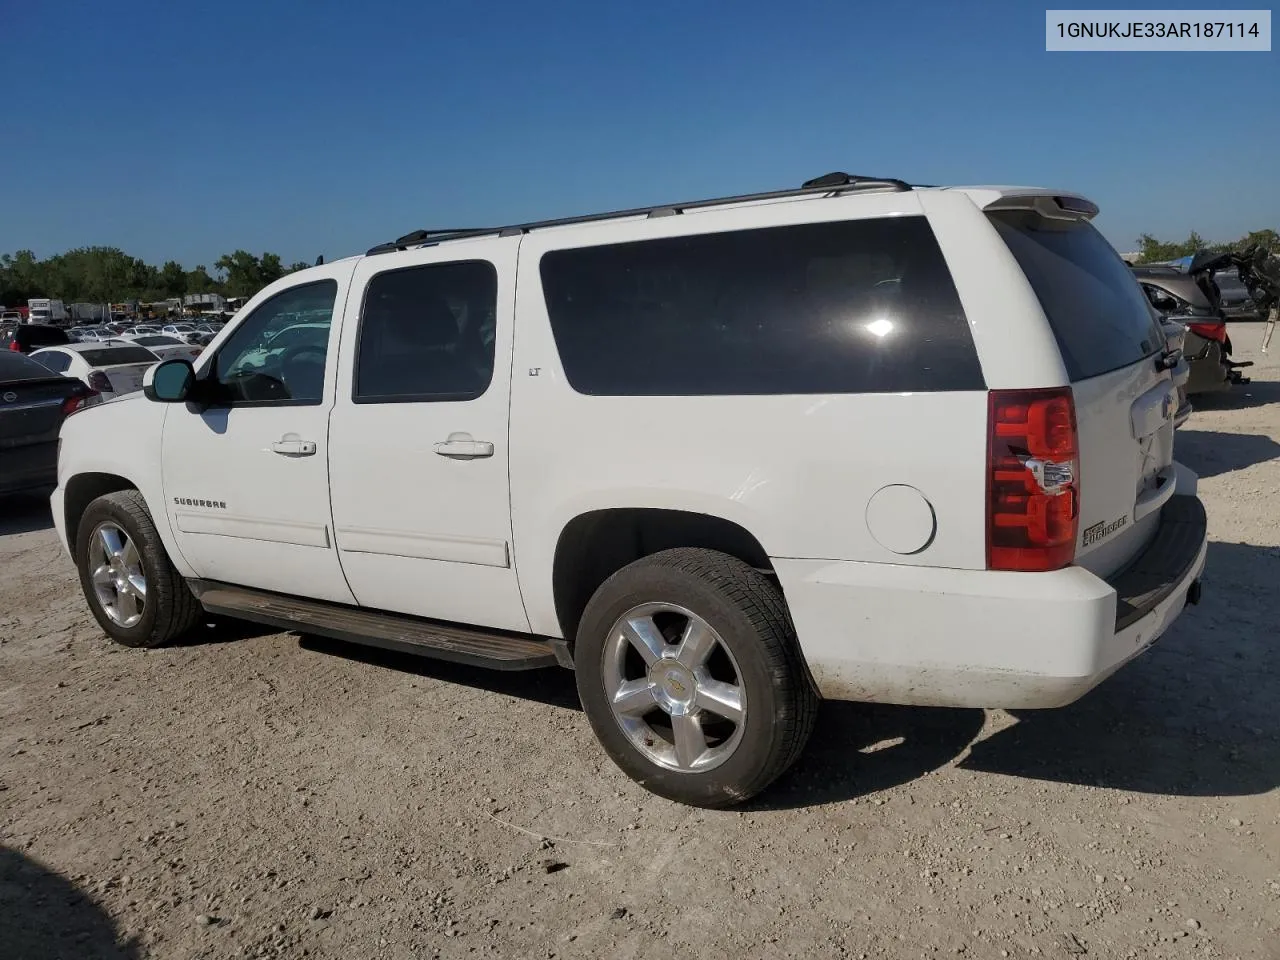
(857, 440)
(43, 310)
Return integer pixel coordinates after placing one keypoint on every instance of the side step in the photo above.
(393, 631)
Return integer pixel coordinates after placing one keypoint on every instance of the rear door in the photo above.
(418, 434)
(1125, 403)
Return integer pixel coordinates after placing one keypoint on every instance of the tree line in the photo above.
(1152, 250)
(109, 275)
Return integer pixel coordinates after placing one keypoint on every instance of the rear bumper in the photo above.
(29, 467)
(975, 638)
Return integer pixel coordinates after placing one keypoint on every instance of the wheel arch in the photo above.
(595, 544)
(81, 490)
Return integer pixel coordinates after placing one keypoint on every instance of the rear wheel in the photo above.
(133, 590)
(688, 669)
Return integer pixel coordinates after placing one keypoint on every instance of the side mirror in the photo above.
(169, 382)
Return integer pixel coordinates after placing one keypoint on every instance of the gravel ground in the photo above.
(265, 795)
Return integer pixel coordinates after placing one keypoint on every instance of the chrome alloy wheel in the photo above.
(674, 687)
(118, 578)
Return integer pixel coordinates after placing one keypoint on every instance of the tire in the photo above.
(168, 608)
(681, 593)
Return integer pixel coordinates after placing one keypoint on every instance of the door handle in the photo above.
(460, 446)
(294, 448)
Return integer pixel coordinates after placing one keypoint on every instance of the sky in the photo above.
(184, 130)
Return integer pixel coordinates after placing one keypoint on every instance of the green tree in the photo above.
(241, 273)
(1155, 251)
(1267, 239)
(173, 279)
(269, 270)
(298, 265)
(199, 281)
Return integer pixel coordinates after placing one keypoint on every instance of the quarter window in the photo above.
(856, 306)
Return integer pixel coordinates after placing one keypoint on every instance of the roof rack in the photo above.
(831, 184)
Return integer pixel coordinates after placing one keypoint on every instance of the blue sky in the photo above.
(187, 130)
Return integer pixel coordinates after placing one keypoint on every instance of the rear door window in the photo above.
(427, 334)
(1099, 315)
(855, 306)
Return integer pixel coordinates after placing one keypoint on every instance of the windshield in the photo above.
(1098, 313)
(158, 342)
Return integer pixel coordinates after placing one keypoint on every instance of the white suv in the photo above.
(857, 440)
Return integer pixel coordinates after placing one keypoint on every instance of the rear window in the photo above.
(158, 342)
(858, 306)
(18, 366)
(116, 355)
(1098, 313)
(42, 336)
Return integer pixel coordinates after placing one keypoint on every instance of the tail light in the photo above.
(1210, 331)
(1033, 476)
(14, 345)
(77, 401)
(98, 380)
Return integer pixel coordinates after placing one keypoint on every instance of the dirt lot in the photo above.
(255, 794)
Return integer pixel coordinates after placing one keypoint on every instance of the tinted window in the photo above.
(862, 306)
(33, 337)
(1098, 313)
(18, 366)
(53, 360)
(278, 353)
(158, 342)
(105, 358)
(427, 333)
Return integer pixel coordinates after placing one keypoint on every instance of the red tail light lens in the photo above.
(1210, 331)
(98, 380)
(13, 345)
(1033, 470)
(77, 401)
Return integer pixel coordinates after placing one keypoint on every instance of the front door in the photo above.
(418, 436)
(246, 474)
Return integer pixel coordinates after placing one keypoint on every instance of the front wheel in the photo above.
(133, 590)
(690, 674)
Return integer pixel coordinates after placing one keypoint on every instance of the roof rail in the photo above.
(831, 184)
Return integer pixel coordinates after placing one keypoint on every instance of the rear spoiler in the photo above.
(1049, 204)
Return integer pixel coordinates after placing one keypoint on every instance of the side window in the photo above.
(426, 334)
(55, 360)
(277, 355)
(856, 306)
(1160, 299)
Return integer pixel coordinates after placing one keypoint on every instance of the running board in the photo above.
(393, 631)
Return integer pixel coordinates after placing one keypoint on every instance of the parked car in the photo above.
(10, 316)
(32, 336)
(856, 440)
(1236, 302)
(1191, 299)
(33, 404)
(113, 369)
(164, 347)
(181, 331)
